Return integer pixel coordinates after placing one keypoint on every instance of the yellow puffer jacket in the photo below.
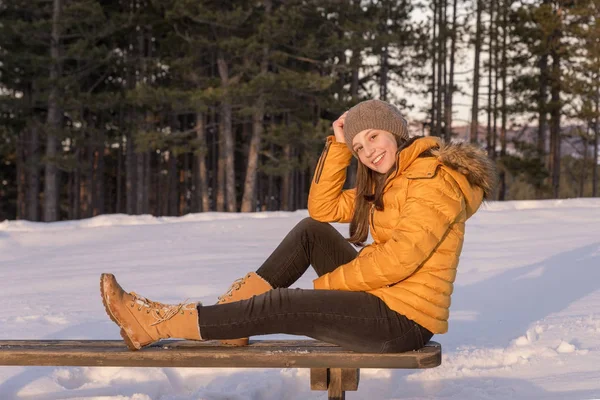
(418, 237)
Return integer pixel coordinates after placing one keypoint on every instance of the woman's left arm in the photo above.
(432, 206)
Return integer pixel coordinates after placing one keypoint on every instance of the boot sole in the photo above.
(123, 333)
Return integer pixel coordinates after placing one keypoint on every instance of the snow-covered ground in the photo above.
(525, 318)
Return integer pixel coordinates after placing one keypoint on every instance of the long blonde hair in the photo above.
(369, 193)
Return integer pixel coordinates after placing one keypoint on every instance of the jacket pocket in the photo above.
(321, 163)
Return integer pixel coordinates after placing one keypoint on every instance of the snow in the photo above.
(525, 315)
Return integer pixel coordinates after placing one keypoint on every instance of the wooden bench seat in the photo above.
(332, 368)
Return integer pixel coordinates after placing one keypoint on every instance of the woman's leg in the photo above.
(356, 321)
(309, 243)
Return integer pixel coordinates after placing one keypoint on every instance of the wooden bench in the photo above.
(331, 368)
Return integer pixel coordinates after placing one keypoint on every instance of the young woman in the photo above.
(414, 195)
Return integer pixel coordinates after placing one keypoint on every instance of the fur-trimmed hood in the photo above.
(471, 161)
(469, 165)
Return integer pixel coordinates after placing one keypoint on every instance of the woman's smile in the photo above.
(377, 160)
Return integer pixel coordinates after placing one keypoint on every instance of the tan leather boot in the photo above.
(143, 321)
(241, 289)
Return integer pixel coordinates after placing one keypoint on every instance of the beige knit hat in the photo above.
(374, 114)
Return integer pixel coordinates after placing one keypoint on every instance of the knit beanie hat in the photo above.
(374, 114)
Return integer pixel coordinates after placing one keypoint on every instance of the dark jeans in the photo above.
(356, 321)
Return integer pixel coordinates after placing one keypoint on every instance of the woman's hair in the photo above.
(369, 193)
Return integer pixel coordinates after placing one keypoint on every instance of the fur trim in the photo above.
(471, 161)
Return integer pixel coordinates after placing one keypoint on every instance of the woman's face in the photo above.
(376, 149)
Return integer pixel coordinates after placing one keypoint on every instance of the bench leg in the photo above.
(336, 391)
(335, 380)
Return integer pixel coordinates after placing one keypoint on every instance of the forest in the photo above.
(180, 106)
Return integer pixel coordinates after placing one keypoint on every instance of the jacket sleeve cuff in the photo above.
(342, 147)
(322, 283)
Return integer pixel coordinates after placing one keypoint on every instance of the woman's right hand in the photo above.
(338, 128)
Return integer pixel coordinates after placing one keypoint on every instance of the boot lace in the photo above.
(154, 308)
(236, 285)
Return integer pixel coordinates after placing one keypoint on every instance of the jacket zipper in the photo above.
(321, 162)
(373, 217)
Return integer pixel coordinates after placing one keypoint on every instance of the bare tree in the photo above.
(491, 67)
(556, 106)
(504, 66)
(226, 145)
(450, 87)
(475, 107)
(258, 116)
(441, 53)
(434, 55)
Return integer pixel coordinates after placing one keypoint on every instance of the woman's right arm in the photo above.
(327, 201)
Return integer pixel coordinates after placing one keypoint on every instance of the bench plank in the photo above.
(182, 353)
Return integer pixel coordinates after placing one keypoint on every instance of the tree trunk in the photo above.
(258, 116)
(221, 172)
(227, 146)
(542, 102)
(202, 177)
(54, 121)
(555, 112)
(100, 185)
(440, 69)
(88, 189)
(130, 178)
(542, 106)
(33, 176)
(147, 180)
(355, 62)
(77, 185)
(444, 88)
(70, 195)
(489, 140)
(450, 88)
(140, 175)
(286, 178)
(173, 184)
(584, 161)
(183, 185)
(542, 112)
(21, 176)
(271, 179)
(496, 79)
(383, 78)
(475, 107)
(434, 67)
(355, 65)
(596, 136)
(504, 66)
(119, 199)
(158, 188)
(249, 197)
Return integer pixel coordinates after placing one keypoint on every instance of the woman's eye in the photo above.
(358, 149)
(373, 137)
